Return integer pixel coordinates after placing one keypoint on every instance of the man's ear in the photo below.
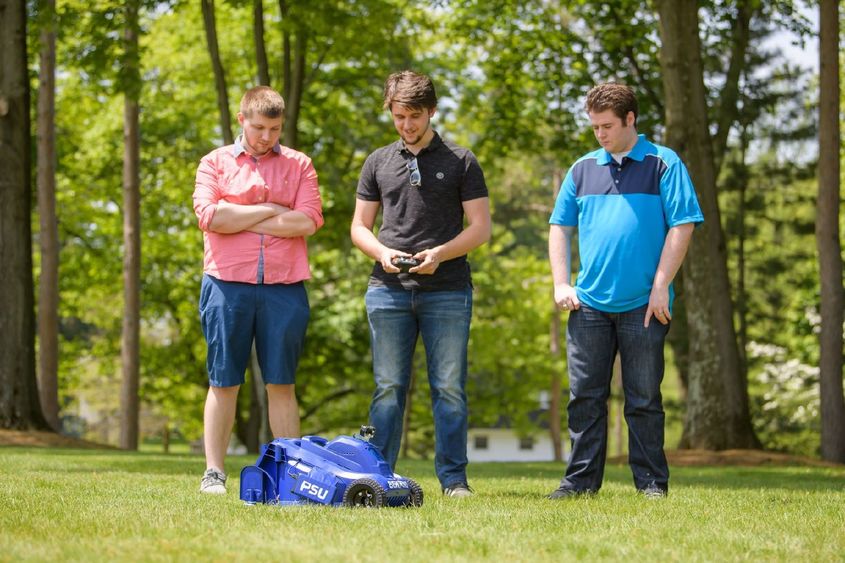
(241, 118)
(432, 111)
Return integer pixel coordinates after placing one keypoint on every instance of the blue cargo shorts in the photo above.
(235, 314)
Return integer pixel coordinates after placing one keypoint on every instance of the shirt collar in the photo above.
(436, 141)
(638, 152)
(238, 147)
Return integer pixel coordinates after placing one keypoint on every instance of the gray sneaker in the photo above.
(213, 482)
(458, 490)
(653, 491)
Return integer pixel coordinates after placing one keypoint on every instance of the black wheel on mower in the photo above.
(364, 492)
(415, 496)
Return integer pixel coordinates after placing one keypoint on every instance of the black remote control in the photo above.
(405, 263)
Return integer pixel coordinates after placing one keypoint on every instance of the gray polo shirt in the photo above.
(416, 218)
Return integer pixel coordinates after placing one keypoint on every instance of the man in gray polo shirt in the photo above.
(420, 283)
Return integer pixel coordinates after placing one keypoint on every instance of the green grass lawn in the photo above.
(75, 505)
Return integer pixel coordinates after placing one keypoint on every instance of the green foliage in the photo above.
(121, 507)
(511, 77)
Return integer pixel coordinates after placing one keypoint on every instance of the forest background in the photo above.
(132, 94)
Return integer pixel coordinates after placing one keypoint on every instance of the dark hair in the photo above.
(263, 100)
(409, 89)
(610, 95)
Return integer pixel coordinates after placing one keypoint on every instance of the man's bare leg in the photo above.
(218, 419)
(283, 410)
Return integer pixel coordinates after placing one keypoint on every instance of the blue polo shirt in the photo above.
(623, 212)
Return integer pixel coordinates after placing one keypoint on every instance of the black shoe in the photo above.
(567, 492)
(458, 490)
(653, 491)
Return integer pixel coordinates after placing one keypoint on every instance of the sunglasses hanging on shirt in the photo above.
(414, 177)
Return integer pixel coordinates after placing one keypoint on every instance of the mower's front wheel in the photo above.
(415, 496)
(364, 492)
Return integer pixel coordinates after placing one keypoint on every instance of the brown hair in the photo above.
(263, 100)
(610, 95)
(409, 89)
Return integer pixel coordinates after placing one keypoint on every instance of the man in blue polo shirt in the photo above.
(635, 209)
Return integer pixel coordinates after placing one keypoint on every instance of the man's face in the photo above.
(261, 133)
(411, 123)
(614, 134)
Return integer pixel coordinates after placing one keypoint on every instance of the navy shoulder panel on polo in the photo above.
(597, 173)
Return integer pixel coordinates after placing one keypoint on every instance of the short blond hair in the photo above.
(263, 100)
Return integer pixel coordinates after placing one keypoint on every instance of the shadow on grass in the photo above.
(790, 478)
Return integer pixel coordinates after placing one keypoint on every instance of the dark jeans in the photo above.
(592, 340)
(397, 316)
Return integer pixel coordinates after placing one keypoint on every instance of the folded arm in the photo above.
(233, 218)
(286, 224)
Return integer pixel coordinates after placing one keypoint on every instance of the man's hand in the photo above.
(386, 259)
(658, 306)
(566, 298)
(430, 260)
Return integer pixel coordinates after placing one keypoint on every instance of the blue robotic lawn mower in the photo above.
(347, 471)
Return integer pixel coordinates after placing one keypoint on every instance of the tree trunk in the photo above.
(217, 66)
(286, 50)
(409, 404)
(48, 236)
(742, 298)
(293, 103)
(130, 345)
(729, 95)
(828, 241)
(618, 400)
(555, 386)
(678, 337)
(717, 400)
(554, 351)
(258, 424)
(265, 434)
(260, 47)
(20, 407)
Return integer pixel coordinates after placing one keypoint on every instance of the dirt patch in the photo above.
(36, 438)
(735, 457)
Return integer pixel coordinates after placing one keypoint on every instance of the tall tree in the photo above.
(48, 235)
(260, 46)
(130, 341)
(210, 24)
(828, 238)
(293, 61)
(19, 404)
(717, 396)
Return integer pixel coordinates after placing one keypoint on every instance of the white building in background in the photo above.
(502, 443)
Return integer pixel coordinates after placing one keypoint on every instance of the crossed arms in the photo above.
(261, 218)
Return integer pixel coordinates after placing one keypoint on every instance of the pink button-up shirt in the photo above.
(283, 176)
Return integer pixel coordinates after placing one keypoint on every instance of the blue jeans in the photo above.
(396, 317)
(592, 340)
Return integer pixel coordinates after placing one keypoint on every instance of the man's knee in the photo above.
(281, 392)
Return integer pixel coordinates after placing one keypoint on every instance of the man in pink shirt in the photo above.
(256, 201)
